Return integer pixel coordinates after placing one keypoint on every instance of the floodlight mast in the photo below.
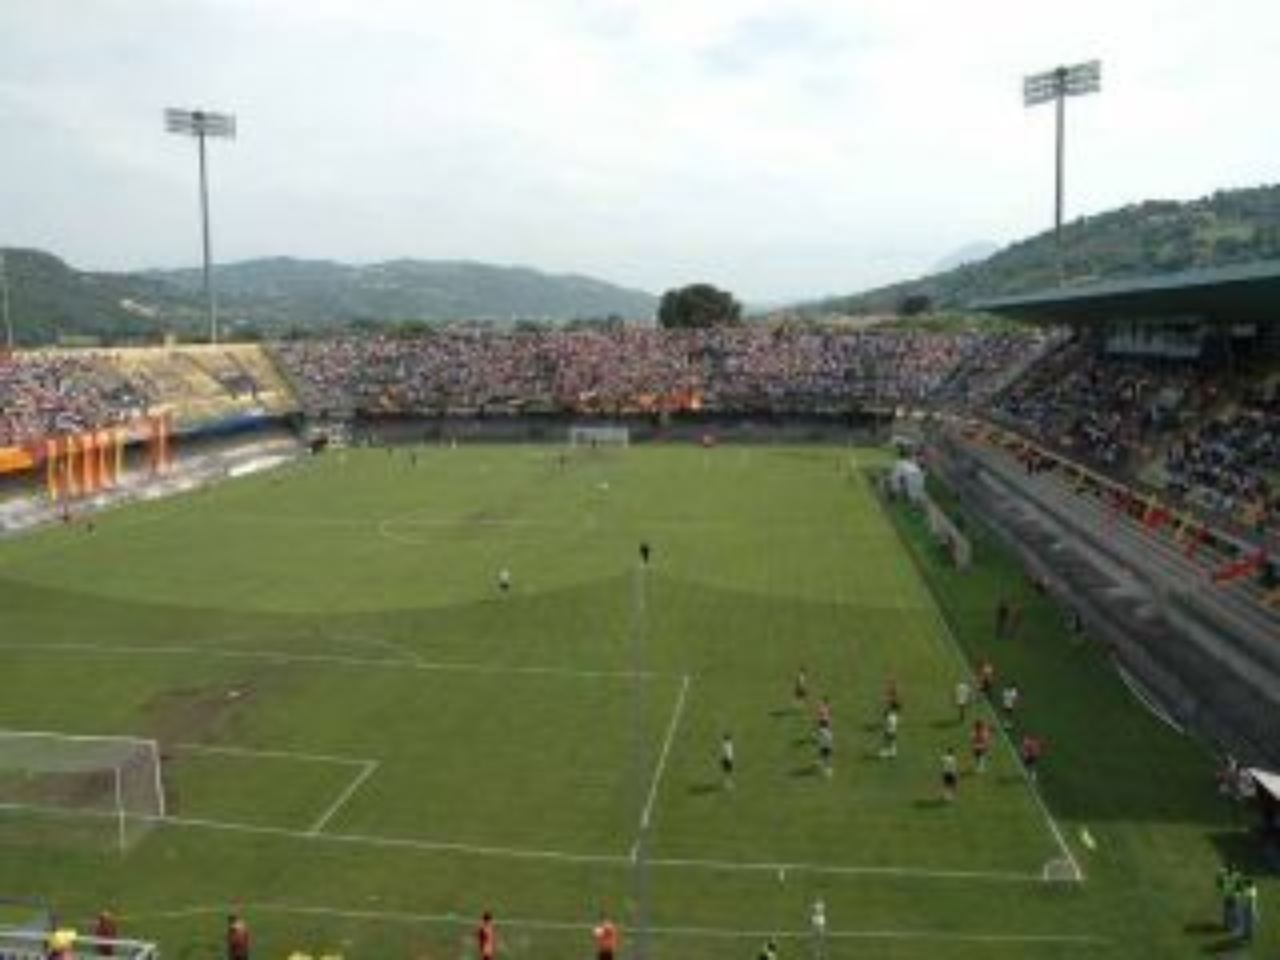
(202, 124)
(1056, 85)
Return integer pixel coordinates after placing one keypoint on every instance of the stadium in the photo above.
(442, 609)
(305, 698)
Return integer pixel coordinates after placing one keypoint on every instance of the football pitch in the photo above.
(366, 743)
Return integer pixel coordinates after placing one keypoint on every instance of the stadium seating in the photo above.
(1207, 440)
(749, 369)
(48, 393)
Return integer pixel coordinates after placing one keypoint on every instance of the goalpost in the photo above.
(594, 437)
(85, 790)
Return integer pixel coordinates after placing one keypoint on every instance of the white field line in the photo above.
(333, 659)
(518, 853)
(405, 652)
(835, 870)
(953, 643)
(672, 725)
(682, 931)
(1049, 819)
(276, 754)
(343, 797)
(1140, 694)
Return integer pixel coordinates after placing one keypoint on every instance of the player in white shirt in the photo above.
(818, 924)
(826, 749)
(889, 746)
(727, 761)
(964, 697)
(950, 775)
(1008, 702)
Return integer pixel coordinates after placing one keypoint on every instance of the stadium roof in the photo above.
(1239, 293)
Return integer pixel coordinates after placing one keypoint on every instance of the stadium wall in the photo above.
(863, 427)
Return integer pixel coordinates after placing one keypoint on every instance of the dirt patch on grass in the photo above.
(83, 790)
(197, 714)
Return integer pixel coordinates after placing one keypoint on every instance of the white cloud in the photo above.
(781, 148)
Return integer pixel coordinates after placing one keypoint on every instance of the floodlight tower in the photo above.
(202, 124)
(1056, 85)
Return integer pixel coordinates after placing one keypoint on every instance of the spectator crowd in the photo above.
(779, 370)
(1218, 440)
(1107, 411)
(1114, 413)
(1232, 463)
(45, 394)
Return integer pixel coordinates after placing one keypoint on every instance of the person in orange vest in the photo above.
(606, 934)
(106, 928)
(237, 938)
(487, 937)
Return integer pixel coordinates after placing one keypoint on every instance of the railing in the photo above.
(24, 944)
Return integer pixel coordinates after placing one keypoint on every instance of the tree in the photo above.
(914, 304)
(698, 305)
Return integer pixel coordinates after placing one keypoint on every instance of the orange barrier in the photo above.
(81, 464)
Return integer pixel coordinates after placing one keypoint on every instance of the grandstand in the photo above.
(1171, 388)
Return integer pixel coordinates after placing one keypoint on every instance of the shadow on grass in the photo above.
(1204, 928)
(1227, 947)
(1249, 850)
(808, 770)
(703, 789)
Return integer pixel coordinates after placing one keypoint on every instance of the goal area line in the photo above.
(672, 931)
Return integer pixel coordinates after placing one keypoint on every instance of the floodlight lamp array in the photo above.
(1073, 81)
(200, 123)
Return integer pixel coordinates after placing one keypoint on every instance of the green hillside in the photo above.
(1156, 236)
(281, 291)
(52, 301)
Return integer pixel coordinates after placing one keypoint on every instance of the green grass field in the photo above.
(366, 745)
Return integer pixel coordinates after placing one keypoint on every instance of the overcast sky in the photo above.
(779, 148)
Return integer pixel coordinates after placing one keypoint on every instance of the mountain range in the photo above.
(282, 296)
(1152, 237)
(279, 296)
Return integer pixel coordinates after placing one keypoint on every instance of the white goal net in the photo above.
(83, 790)
(599, 437)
